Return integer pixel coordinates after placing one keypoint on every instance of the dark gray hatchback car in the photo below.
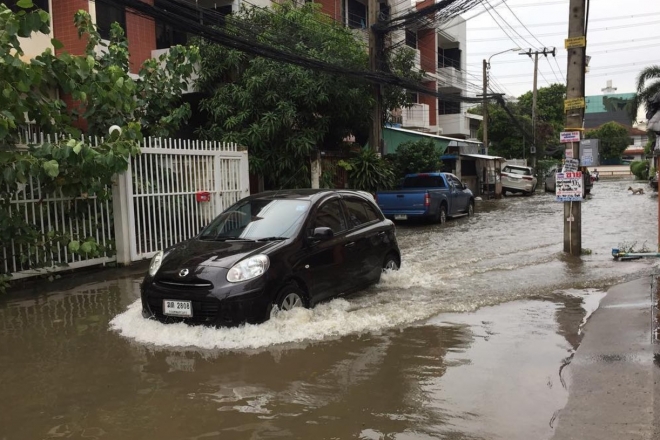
(272, 251)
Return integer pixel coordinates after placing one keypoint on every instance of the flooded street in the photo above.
(467, 341)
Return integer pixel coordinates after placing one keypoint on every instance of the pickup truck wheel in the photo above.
(441, 216)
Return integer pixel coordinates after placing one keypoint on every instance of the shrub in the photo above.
(416, 157)
(640, 168)
(368, 172)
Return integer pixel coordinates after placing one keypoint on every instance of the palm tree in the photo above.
(648, 85)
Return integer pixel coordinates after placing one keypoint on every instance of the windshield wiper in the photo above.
(271, 238)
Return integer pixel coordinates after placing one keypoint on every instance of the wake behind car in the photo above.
(270, 251)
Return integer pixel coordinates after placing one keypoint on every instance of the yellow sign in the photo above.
(570, 43)
(572, 104)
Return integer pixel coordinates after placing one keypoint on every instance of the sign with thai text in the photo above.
(569, 136)
(573, 104)
(570, 165)
(570, 43)
(568, 186)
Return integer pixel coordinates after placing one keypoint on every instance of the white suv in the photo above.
(518, 179)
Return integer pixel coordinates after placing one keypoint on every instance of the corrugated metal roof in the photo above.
(483, 156)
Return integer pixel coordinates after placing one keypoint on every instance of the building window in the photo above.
(38, 4)
(356, 14)
(411, 39)
(449, 58)
(106, 15)
(449, 107)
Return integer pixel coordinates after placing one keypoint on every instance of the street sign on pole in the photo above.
(568, 187)
(569, 136)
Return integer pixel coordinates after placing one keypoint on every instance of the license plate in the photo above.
(400, 217)
(173, 307)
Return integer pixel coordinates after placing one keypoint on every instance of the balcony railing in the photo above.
(416, 116)
(450, 77)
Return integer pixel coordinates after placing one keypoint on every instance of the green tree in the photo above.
(613, 138)
(416, 157)
(283, 112)
(505, 138)
(648, 85)
(106, 94)
(550, 116)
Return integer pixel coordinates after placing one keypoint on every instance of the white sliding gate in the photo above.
(174, 189)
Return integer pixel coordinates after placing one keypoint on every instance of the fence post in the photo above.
(120, 201)
(245, 174)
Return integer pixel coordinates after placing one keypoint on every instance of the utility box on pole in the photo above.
(589, 155)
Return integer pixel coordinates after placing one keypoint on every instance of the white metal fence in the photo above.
(65, 218)
(177, 187)
(158, 202)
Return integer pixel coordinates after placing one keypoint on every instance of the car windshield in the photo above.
(258, 219)
(521, 171)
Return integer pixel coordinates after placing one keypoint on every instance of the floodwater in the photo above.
(467, 341)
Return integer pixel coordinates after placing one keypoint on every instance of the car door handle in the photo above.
(351, 244)
(381, 234)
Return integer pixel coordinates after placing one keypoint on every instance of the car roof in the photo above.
(309, 194)
(517, 166)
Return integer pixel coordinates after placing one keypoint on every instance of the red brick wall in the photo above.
(141, 35)
(431, 101)
(427, 50)
(63, 28)
(332, 8)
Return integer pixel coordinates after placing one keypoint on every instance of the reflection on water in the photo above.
(396, 361)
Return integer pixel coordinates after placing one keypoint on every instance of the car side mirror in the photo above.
(465, 186)
(322, 233)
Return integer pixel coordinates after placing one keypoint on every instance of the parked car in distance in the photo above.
(550, 180)
(518, 179)
(272, 251)
(428, 196)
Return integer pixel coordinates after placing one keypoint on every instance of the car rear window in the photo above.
(515, 170)
(424, 182)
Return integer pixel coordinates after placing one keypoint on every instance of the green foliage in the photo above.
(416, 157)
(368, 172)
(71, 165)
(280, 111)
(648, 85)
(613, 138)
(504, 138)
(640, 168)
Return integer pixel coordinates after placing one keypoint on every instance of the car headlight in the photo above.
(249, 268)
(156, 261)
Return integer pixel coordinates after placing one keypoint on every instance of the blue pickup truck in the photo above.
(428, 196)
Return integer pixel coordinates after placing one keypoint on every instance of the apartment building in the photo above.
(439, 52)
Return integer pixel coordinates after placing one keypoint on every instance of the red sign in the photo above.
(203, 196)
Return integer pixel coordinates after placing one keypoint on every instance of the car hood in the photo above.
(225, 254)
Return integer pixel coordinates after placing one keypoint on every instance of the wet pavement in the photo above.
(469, 340)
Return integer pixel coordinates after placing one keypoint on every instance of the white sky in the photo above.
(619, 43)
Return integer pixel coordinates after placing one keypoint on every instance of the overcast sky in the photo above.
(619, 43)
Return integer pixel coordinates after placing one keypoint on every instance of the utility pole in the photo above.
(375, 54)
(574, 108)
(536, 54)
(485, 108)
(534, 95)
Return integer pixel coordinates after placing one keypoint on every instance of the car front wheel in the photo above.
(290, 297)
(391, 262)
(470, 209)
